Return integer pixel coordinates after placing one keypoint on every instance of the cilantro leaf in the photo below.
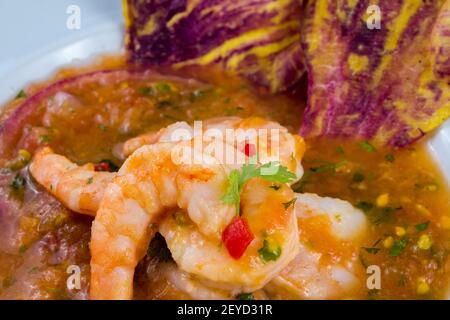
(274, 172)
(232, 195)
(271, 171)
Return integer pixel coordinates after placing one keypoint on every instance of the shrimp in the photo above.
(327, 266)
(166, 281)
(79, 188)
(188, 284)
(149, 184)
(269, 139)
(167, 134)
(197, 289)
(273, 225)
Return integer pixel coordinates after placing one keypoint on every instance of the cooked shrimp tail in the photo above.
(78, 188)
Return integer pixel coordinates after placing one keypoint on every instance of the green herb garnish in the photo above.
(340, 150)
(372, 250)
(422, 226)
(147, 91)
(8, 281)
(44, 138)
(385, 215)
(270, 251)
(366, 146)
(398, 247)
(22, 249)
(271, 171)
(245, 296)
(163, 87)
(34, 270)
(358, 177)
(21, 94)
(233, 111)
(427, 187)
(327, 167)
(389, 157)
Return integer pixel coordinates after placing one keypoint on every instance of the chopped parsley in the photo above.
(367, 146)
(398, 247)
(163, 87)
(340, 150)
(270, 251)
(233, 111)
(146, 91)
(389, 157)
(427, 187)
(21, 94)
(22, 249)
(372, 250)
(327, 167)
(422, 226)
(34, 270)
(385, 215)
(44, 138)
(358, 177)
(245, 296)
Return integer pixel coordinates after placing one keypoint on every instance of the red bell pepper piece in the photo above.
(249, 149)
(102, 166)
(237, 236)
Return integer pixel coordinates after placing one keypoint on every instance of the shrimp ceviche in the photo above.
(283, 162)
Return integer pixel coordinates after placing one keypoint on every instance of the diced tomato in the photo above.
(237, 236)
(102, 166)
(249, 149)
